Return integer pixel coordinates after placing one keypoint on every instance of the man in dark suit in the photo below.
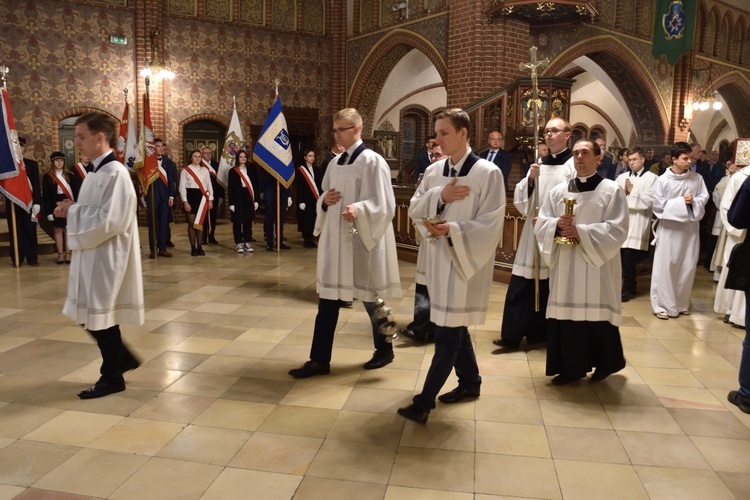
(219, 194)
(606, 167)
(25, 222)
(716, 171)
(497, 155)
(424, 157)
(163, 193)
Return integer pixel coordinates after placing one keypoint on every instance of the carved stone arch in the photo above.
(711, 32)
(381, 60)
(740, 42)
(700, 28)
(709, 146)
(724, 37)
(632, 79)
(735, 89)
(422, 123)
(209, 117)
(579, 131)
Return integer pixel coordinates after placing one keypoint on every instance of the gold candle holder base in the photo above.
(562, 240)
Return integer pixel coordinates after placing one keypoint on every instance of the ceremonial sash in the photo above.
(163, 176)
(209, 167)
(309, 180)
(200, 214)
(247, 182)
(64, 186)
(82, 173)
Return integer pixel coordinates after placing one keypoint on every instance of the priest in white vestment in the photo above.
(680, 198)
(520, 319)
(461, 205)
(584, 307)
(357, 247)
(638, 186)
(105, 285)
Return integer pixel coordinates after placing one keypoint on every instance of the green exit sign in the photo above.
(119, 40)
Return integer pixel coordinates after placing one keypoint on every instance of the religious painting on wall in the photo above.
(742, 152)
(527, 108)
(387, 143)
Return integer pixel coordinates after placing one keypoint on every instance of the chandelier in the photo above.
(705, 98)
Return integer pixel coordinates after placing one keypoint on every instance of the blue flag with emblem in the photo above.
(273, 150)
(674, 26)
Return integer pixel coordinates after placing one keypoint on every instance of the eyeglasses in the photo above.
(552, 131)
(341, 130)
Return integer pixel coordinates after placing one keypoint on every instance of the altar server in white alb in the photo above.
(468, 194)
(357, 246)
(680, 198)
(731, 303)
(638, 185)
(519, 316)
(105, 286)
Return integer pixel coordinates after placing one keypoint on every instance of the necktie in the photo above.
(343, 157)
(491, 156)
(453, 172)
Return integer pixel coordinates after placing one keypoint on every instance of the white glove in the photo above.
(35, 209)
(51, 218)
(256, 205)
(288, 202)
(302, 206)
(231, 208)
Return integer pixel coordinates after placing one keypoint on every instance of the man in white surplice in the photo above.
(461, 206)
(584, 308)
(638, 186)
(680, 198)
(105, 285)
(357, 246)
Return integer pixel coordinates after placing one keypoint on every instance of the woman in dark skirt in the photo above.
(194, 182)
(57, 185)
(242, 189)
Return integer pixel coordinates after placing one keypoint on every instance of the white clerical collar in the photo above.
(458, 166)
(353, 148)
(554, 155)
(96, 161)
(583, 180)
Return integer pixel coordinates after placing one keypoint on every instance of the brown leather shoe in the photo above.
(152, 255)
(164, 253)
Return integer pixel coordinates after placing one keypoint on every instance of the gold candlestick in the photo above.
(562, 240)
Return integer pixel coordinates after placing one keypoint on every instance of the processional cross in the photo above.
(534, 65)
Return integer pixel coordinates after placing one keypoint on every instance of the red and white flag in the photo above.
(14, 183)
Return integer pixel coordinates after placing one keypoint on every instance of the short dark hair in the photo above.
(638, 151)
(458, 117)
(156, 139)
(594, 145)
(680, 148)
(98, 122)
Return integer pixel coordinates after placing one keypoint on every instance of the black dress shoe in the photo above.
(736, 399)
(563, 380)
(284, 246)
(347, 304)
(626, 296)
(598, 376)
(252, 240)
(35, 263)
(101, 388)
(310, 369)
(505, 344)
(212, 240)
(270, 248)
(459, 394)
(379, 360)
(412, 335)
(170, 244)
(415, 413)
(200, 251)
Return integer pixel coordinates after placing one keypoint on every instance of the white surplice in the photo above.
(640, 203)
(728, 301)
(677, 240)
(717, 260)
(549, 177)
(355, 266)
(458, 267)
(585, 279)
(105, 286)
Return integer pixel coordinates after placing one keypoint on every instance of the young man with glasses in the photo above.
(357, 246)
(519, 317)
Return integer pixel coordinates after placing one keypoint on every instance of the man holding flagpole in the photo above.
(357, 248)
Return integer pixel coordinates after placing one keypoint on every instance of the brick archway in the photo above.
(735, 89)
(209, 117)
(78, 111)
(381, 60)
(633, 81)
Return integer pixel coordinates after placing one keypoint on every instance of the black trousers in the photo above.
(115, 355)
(325, 328)
(576, 347)
(242, 231)
(161, 217)
(629, 258)
(422, 324)
(26, 228)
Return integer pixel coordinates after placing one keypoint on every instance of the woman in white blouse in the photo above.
(197, 197)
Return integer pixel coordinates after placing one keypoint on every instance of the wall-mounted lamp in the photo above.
(158, 70)
(403, 6)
